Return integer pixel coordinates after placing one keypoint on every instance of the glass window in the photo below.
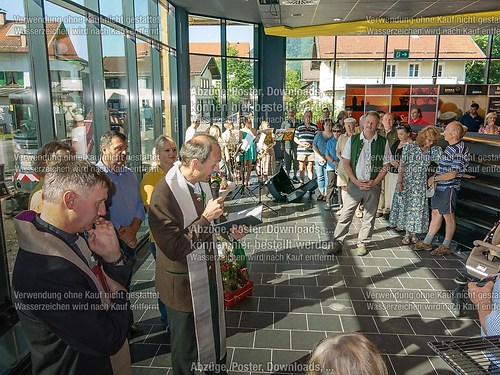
(69, 76)
(144, 66)
(206, 100)
(204, 36)
(167, 24)
(414, 70)
(115, 73)
(461, 71)
(168, 92)
(304, 47)
(112, 9)
(440, 70)
(240, 36)
(461, 47)
(495, 52)
(391, 71)
(240, 87)
(305, 89)
(494, 76)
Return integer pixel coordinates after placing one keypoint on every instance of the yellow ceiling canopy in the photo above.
(468, 23)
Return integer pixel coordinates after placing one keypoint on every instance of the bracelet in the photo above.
(115, 263)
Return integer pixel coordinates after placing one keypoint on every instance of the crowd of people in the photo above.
(78, 242)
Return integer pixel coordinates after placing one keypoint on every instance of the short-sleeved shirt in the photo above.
(305, 134)
(473, 123)
(455, 159)
(331, 149)
(320, 142)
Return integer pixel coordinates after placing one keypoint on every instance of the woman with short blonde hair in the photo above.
(429, 132)
(489, 126)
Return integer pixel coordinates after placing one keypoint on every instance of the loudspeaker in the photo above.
(282, 182)
(281, 188)
(298, 193)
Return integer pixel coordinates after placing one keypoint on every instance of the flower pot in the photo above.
(232, 298)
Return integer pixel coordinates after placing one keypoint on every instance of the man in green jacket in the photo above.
(366, 157)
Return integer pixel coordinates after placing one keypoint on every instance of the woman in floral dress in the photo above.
(409, 209)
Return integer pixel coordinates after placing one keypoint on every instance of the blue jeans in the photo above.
(322, 177)
(161, 306)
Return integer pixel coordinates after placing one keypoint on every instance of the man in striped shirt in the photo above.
(446, 182)
(304, 137)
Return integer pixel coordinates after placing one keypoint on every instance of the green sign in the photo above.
(401, 53)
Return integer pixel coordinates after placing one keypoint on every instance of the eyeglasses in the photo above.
(337, 131)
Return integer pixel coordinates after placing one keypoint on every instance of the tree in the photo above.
(295, 92)
(239, 81)
(475, 69)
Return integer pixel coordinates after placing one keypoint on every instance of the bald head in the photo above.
(453, 132)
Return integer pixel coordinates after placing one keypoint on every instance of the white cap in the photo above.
(349, 119)
(78, 118)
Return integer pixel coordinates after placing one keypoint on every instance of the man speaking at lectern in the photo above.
(188, 276)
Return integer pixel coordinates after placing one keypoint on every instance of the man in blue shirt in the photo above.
(472, 120)
(126, 211)
(124, 205)
(446, 182)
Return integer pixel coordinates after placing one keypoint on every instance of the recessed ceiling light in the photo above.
(336, 19)
(297, 14)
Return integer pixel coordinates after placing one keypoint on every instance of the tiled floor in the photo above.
(399, 298)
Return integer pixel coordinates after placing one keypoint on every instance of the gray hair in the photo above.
(107, 138)
(76, 175)
(199, 147)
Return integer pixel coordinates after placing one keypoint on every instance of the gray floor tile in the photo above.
(363, 324)
(306, 340)
(272, 339)
(256, 320)
(240, 337)
(290, 321)
(399, 298)
(324, 322)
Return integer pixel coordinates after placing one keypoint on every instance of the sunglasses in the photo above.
(337, 131)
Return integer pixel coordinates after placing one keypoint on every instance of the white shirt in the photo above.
(364, 166)
(190, 132)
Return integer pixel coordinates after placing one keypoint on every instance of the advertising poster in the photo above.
(494, 106)
(449, 103)
(400, 103)
(428, 106)
(355, 98)
(425, 97)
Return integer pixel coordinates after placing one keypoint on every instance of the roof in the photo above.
(198, 64)
(213, 49)
(352, 47)
(56, 36)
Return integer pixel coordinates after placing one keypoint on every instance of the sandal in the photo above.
(406, 239)
(414, 238)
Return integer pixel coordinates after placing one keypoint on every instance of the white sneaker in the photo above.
(327, 207)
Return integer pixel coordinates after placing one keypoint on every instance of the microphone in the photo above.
(214, 188)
